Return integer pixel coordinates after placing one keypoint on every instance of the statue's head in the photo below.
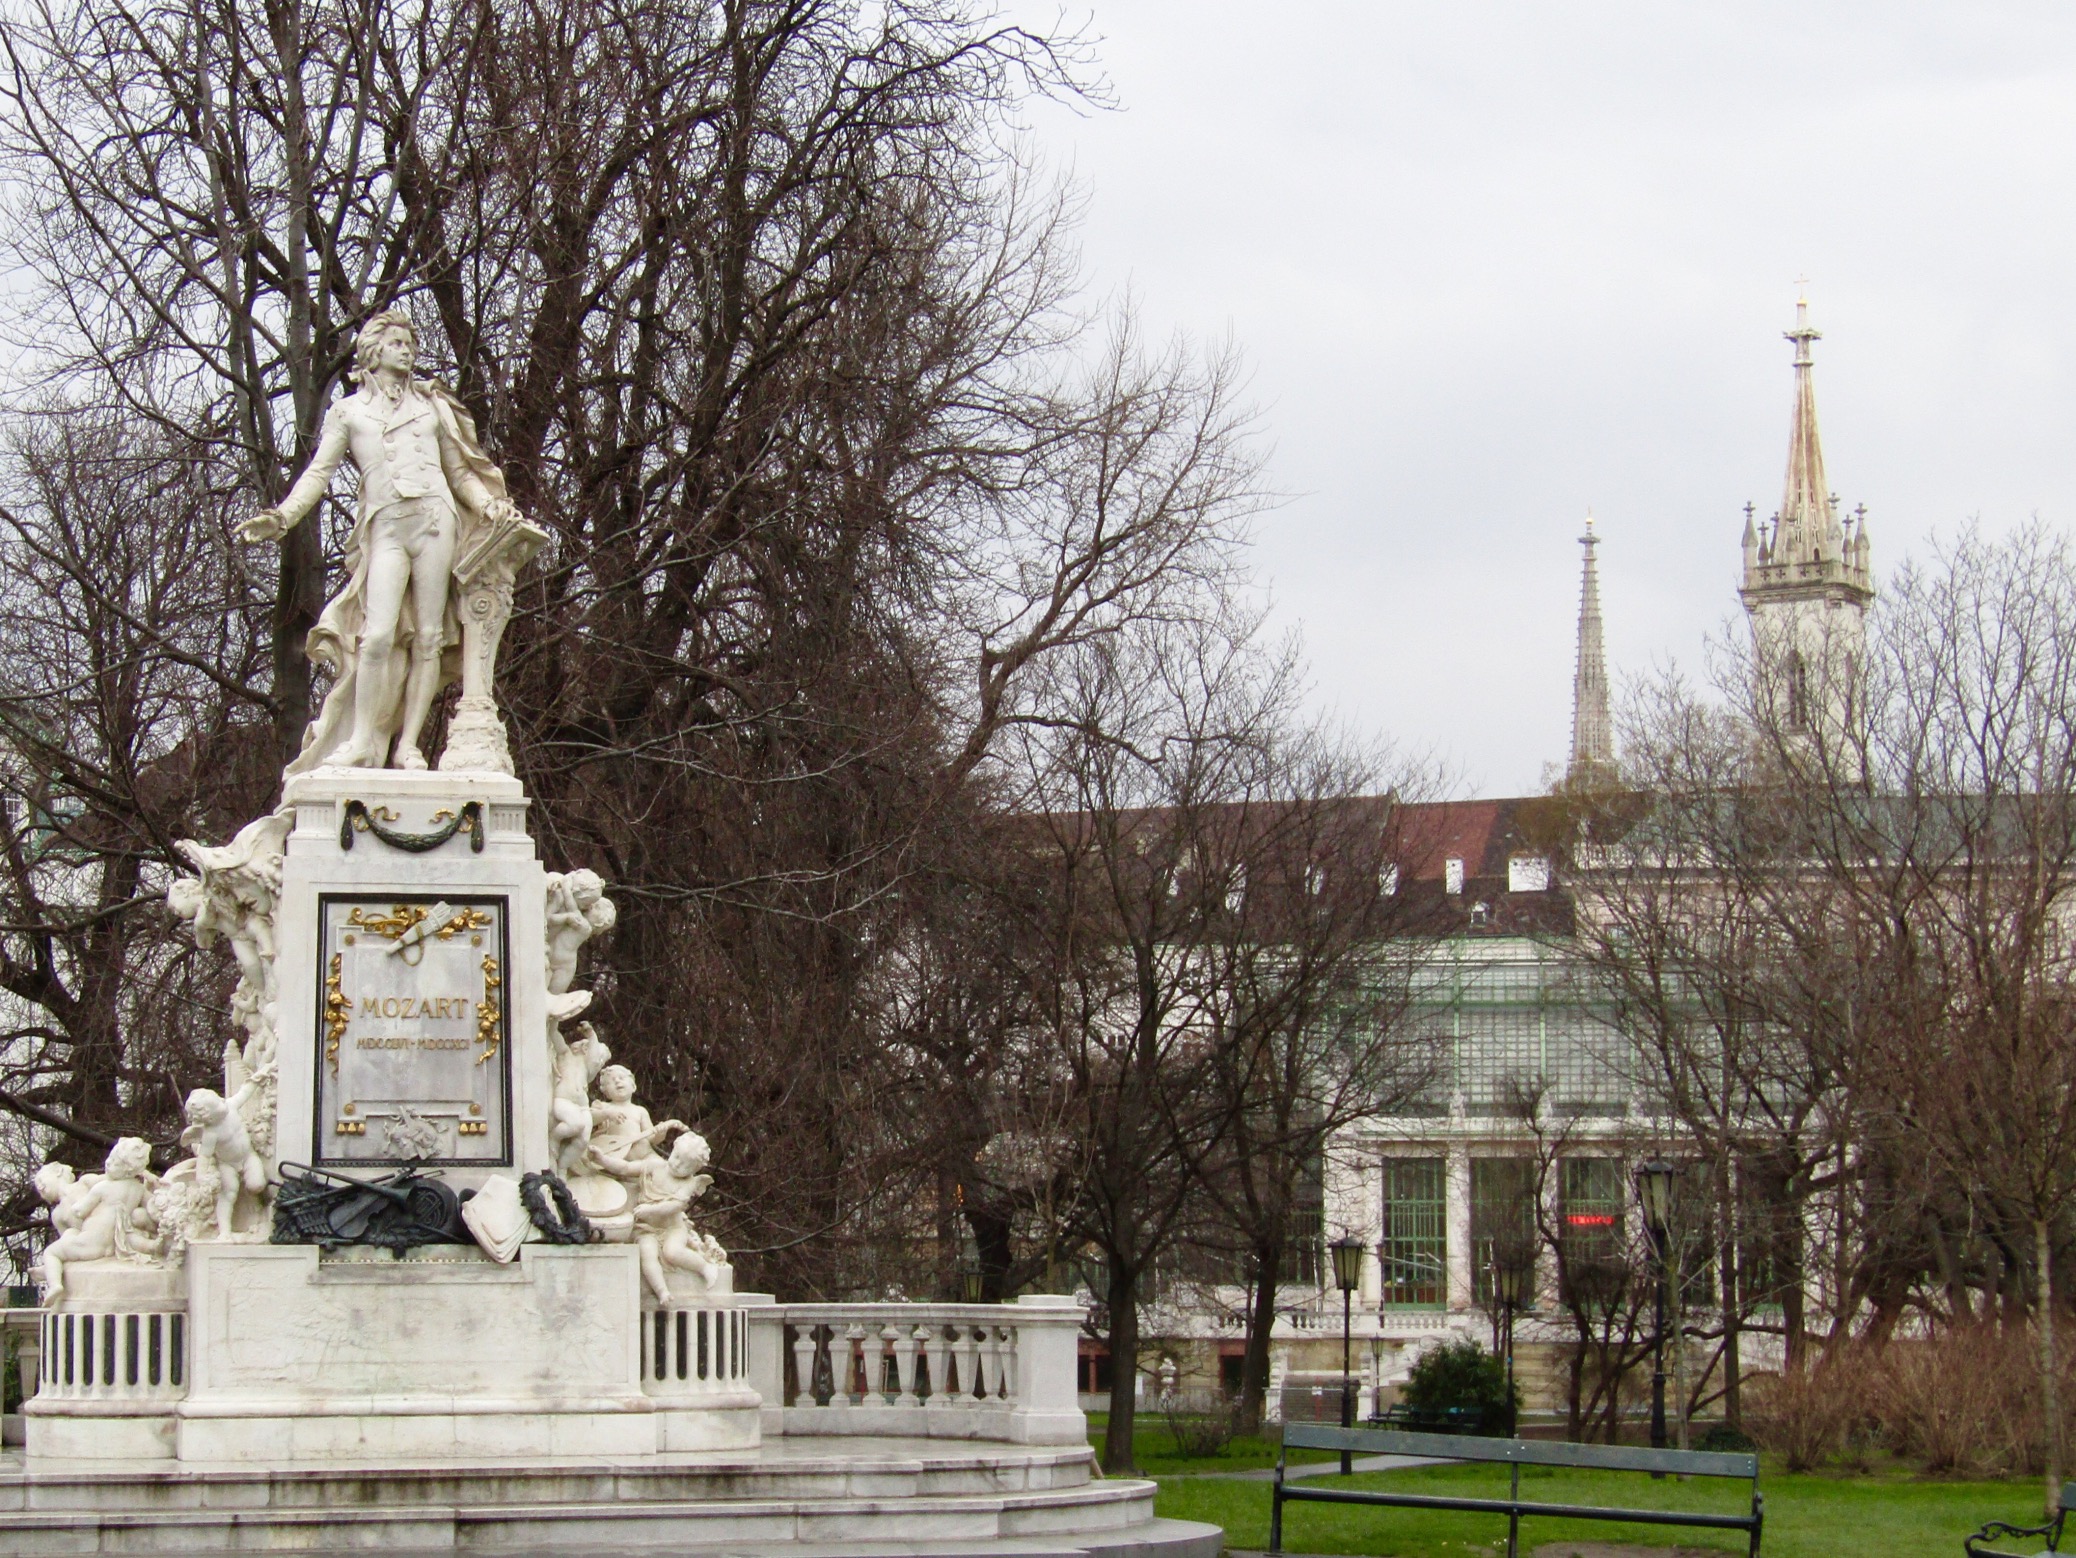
(129, 1157)
(586, 887)
(391, 327)
(689, 1154)
(52, 1181)
(616, 1084)
(184, 896)
(206, 1107)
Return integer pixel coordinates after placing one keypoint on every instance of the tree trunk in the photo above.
(298, 597)
(2050, 1394)
(1124, 1368)
(1575, 1395)
(1729, 1290)
(1261, 1325)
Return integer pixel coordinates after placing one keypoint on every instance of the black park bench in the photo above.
(1999, 1530)
(1515, 1453)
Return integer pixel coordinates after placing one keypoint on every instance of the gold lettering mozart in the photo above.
(412, 1008)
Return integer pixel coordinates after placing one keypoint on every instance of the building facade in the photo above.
(1527, 1142)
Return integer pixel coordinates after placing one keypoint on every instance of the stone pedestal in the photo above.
(410, 1023)
(453, 1025)
(441, 1354)
(114, 1366)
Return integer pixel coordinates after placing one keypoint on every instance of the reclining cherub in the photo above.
(106, 1214)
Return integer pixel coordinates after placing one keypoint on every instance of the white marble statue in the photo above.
(578, 909)
(234, 898)
(183, 1208)
(622, 1137)
(577, 1063)
(662, 1229)
(225, 1162)
(103, 1217)
(496, 1217)
(60, 1190)
(435, 546)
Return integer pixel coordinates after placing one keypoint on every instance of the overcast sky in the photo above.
(1492, 264)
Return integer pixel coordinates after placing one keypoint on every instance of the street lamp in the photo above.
(1654, 1189)
(1509, 1277)
(1347, 1252)
(973, 1283)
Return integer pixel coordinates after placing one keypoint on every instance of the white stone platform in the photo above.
(801, 1497)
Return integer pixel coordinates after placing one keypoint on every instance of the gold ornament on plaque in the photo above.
(488, 1011)
(338, 1011)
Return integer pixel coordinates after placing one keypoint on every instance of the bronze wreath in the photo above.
(562, 1223)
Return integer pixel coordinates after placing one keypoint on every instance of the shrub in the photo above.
(1200, 1434)
(1968, 1398)
(1804, 1414)
(1461, 1376)
(1724, 1439)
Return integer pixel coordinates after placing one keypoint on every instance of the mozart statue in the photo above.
(435, 546)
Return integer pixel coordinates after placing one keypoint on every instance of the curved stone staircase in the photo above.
(801, 1497)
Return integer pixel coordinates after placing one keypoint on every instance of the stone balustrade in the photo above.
(962, 1371)
(695, 1349)
(953, 1371)
(105, 1355)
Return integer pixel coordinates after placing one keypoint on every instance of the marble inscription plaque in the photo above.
(413, 1058)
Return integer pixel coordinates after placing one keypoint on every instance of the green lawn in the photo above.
(1155, 1455)
(1870, 1516)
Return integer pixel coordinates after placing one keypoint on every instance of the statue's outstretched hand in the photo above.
(499, 510)
(266, 525)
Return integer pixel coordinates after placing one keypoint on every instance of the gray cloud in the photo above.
(1494, 263)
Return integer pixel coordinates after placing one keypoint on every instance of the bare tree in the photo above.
(772, 327)
(1161, 734)
(1840, 944)
(1310, 976)
(125, 722)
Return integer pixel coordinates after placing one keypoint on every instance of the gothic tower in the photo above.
(1808, 576)
(1592, 731)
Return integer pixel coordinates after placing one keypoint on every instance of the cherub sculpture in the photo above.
(234, 897)
(107, 1216)
(59, 1190)
(622, 1137)
(577, 1062)
(225, 1161)
(578, 909)
(663, 1232)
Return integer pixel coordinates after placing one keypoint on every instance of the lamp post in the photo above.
(1654, 1189)
(1347, 1252)
(1509, 1275)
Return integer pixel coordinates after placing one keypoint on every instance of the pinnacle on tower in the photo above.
(1592, 728)
(1806, 546)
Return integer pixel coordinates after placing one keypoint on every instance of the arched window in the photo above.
(1798, 690)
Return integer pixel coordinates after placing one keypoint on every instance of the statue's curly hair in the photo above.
(370, 337)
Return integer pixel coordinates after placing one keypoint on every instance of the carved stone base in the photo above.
(476, 739)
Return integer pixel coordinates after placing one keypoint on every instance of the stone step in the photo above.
(937, 1470)
(1097, 1518)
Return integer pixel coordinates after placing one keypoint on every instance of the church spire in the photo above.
(1808, 578)
(1592, 729)
(1808, 528)
(1806, 545)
